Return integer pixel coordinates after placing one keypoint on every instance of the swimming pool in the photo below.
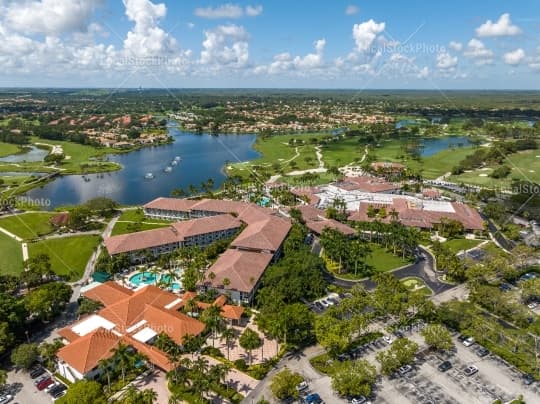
(143, 278)
(264, 202)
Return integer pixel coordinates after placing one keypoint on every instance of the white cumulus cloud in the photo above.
(445, 61)
(364, 34)
(457, 46)
(225, 45)
(49, 17)
(515, 57)
(477, 51)
(503, 27)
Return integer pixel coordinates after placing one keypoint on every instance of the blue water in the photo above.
(406, 122)
(264, 201)
(175, 287)
(433, 146)
(34, 154)
(145, 278)
(203, 157)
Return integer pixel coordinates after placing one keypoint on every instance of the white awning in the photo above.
(146, 334)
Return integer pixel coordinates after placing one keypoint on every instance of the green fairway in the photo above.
(10, 256)
(7, 149)
(458, 244)
(430, 167)
(69, 255)
(28, 225)
(524, 165)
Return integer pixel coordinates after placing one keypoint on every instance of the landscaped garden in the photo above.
(133, 220)
(11, 257)
(416, 285)
(458, 244)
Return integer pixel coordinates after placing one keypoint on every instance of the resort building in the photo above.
(316, 221)
(201, 222)
(200, 233)
(411, 211)
(129, 317)
(365, 183)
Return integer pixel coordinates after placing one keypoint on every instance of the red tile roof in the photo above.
(264, 235)
(175, 233)
(366, 184)
(108, 293)
(242, 268)
(85, 352)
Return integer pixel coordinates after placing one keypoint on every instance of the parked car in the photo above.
(40, 379)
(532, 305)
(470, 370)
(462, 337)
(388, 339)
(481, 352)
(302, 386)
(505, 287)
(358, 400)
(398, 334)
(404, 369)
(6, 398)
(469, 341)
(36, 372)
(44, 384)
(444, 366)
(58, 395)
(52, 386)
(313, 398)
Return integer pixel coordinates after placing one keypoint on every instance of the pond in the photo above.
(431, 146)
(200, 157)
(33, 154)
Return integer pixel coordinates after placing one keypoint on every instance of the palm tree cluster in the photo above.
(400, 239)
(349, 253)
(198, 378)
(122, 363)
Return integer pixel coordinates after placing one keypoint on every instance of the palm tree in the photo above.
(148, 396)
(211, 317)
(104, 365)
(228, 335)
(250, 340)
(123, 357)
(226, 282)
(191, 306)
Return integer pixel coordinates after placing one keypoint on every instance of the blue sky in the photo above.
(311, 44)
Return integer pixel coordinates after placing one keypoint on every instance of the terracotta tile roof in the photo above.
(318, 226)
(175, 324)
(140, 240)
(242, 268)
(264, 235)
(61, 219)
(130, 310)
(232, 312)
(108, 293)
(84, 353)
(417, 217)
(220, 301)
(193, 227)
(366, 184)
(68, 334)
(175, 233)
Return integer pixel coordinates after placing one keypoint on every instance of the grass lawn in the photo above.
(69, 255)
(7, 149)
(416, 284)
(133, 220)
(458, 244)
(380, 259)
(28, 225)
(11, 256)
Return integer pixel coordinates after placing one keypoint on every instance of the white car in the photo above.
(532, 305)
(470, 370)
(388, 339)
(302, 386)
(6, 399)
(469, 341)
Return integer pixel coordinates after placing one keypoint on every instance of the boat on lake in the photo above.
(177, 158)
(174, 163)
(167, 169)
(149, 176)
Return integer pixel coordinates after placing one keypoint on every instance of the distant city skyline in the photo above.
(270, 44)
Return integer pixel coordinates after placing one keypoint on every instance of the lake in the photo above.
(202, 157)
(34, 154)
(431, 146)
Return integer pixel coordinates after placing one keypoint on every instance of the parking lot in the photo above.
(427, 384)
(23, 390)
